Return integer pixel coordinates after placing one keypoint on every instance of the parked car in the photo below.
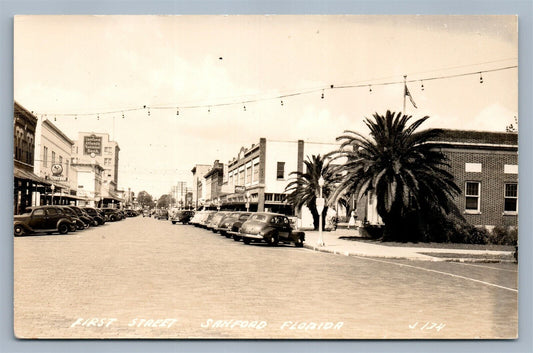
(182, 216)
(198, 215)
(270, 228)
(215, 220)
(111, 214)
(207, 218)
(91, 211)
(79, 223)
(146, 213)
(231, 226)
(131, 213)
(88, 220)
(47, 219)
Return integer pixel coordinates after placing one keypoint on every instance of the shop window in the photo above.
(511, 198)
(280, 174)
(472, 195)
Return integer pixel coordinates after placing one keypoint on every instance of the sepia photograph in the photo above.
(301, 177)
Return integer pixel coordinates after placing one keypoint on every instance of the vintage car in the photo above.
(47, 219)
(111, 214)
(231, 224)
(206, 219)
(79, 223)
(84, 216)
(182, 216)
(161, 214)
(215, 221)
(271, 228)
(93, 212)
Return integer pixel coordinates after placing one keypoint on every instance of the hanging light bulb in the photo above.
(55, 118)
(322, 96)
(98, 117)
(244, 107)
(75, 117)
(370, 88)
(177, 112)
(148, 111)
(422, 85)
(122, 115)
(209, 110)
(480, 78)
(282, 103)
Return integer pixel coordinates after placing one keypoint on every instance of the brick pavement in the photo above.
(143, 269)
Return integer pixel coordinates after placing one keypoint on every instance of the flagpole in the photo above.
(404, 91)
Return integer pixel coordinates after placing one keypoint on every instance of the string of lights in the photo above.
(370, 84)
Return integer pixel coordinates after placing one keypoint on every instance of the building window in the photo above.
(61, 160)
(280, 174)
(108, 150)
(107, 161)
(255, 171)
(53, 157)
(45, 157)
(249, 175)
(472, 194)
(511, 197)
(241, 177)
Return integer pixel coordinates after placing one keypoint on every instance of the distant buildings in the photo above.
(97, 150)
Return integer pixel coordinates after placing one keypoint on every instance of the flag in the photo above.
(408, 94)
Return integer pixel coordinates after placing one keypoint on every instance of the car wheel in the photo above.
(62, 228)
(80, 226)
(112, 218)
(19, 230)
(95, 223)
(273, 240)
(299, 243)
(173, 222)
(246, 240)
(72, 228)
(87, 225)
(236, 238)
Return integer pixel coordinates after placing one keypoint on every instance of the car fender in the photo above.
(26, 227)
(265, 232)
(64, 220)
(295, 235)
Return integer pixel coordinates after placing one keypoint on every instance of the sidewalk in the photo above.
(360, 248)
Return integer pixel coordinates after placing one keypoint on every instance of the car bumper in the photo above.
(252, 236)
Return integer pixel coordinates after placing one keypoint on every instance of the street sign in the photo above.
(320, 204)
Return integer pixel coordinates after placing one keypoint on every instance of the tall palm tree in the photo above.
(303, 188)
(395, 164)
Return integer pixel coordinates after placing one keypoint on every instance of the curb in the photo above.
(427, 257)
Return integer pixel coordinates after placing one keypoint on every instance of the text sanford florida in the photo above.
(259, 325)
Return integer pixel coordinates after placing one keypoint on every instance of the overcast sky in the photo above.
(95, 64)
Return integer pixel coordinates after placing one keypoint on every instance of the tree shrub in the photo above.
(502, 235)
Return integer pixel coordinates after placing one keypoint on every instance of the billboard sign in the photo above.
(92, 145)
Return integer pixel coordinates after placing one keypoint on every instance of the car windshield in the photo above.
(258, 217)
(244, 216)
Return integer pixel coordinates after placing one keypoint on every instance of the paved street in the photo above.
(145, 278)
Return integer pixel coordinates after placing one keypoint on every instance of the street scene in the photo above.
(158, 272)
(266, 177)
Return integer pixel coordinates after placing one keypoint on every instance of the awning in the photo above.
(68, 196)
(27, 175)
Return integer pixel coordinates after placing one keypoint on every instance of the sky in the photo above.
(74, 69)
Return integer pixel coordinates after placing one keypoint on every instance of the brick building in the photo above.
(485, 167)
(26, 182)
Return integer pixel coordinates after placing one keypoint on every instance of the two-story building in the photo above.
(27, 185)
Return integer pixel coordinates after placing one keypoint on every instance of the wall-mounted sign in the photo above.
(92, 145)
(239, 189)
(57, 169)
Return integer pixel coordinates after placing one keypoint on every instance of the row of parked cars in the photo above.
(63, 219)
(268, 227)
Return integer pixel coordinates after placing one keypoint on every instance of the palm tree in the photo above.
(303, 188)
(408, 177)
